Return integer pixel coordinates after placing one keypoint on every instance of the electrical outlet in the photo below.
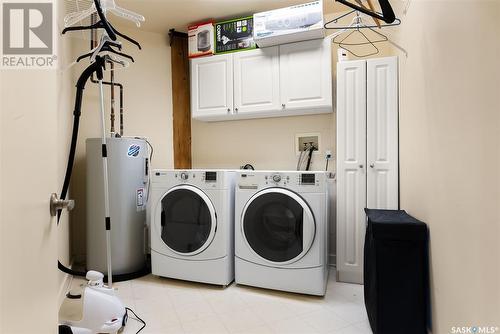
(305, 140)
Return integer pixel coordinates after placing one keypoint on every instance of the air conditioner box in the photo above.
(289, 25)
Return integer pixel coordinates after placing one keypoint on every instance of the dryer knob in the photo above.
(184, 176)
(276, 178)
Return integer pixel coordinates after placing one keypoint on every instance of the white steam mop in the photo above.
(96, 308)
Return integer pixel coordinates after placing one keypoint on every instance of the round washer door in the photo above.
(188, 220)
(278, 226)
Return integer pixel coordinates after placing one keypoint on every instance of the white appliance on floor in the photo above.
(191, 225)
(281, 231)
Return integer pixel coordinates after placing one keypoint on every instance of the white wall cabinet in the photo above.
(306, 75)
(257, 81)
(290, 79)
(367, 154)
(212, 86)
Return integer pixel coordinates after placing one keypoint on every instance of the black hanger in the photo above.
(387, 14)
(396, 22)
(107, 47)
(106, 25)
(101, 25)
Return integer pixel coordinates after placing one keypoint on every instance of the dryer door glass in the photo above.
(273, 227)
(186, 221)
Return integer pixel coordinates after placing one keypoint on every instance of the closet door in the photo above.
(256, 81)
(306, 75)
(351, 169)
(212, 87)
(382, 133)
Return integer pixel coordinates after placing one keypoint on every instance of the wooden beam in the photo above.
(181, 100)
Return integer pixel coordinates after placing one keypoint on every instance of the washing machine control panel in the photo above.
(203, 179)
(277, 179)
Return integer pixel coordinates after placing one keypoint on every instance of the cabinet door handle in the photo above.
(372, 165)
(361, 166)
(228, 110)
(283, 106)
(236, 109)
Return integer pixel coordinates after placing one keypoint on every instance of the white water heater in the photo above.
(128, 168)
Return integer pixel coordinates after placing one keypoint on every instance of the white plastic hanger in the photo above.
(105, 39)
(111, 58)
(107, 6)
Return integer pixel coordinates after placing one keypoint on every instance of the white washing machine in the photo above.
(281, 231)
(191, 225)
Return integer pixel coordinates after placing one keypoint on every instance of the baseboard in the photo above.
(332, 260)
(65, 284)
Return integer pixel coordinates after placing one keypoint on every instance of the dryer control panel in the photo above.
(309, 181)
(203, 179)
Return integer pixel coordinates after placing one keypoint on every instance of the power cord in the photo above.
(328, 156)
(302, 157)
(312, 148)
(149, 166)
(137, 318)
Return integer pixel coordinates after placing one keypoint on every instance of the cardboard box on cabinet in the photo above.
(201, 39)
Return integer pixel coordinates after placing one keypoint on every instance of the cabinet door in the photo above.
(256, 81)
(351, 169)
(306, 75)
(382, 133)
(212, 86)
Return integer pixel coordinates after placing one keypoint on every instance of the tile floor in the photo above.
(172, 306)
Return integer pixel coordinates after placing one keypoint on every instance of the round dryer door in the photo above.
(188, 220)
(278, 225)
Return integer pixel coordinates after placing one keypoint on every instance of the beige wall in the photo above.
(450, 152)
(148, 113)
(264, 143)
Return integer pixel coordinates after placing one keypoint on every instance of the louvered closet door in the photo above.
(382, 133)
(351, 169)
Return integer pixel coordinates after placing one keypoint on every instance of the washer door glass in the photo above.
(187, 220)
(273, 225)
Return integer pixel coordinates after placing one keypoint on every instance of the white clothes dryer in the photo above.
(281, 231)
(192, 226)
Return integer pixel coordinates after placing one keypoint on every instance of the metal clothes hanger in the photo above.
(107, 6)
(347, 46)
(357, 24)
(335, 20)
